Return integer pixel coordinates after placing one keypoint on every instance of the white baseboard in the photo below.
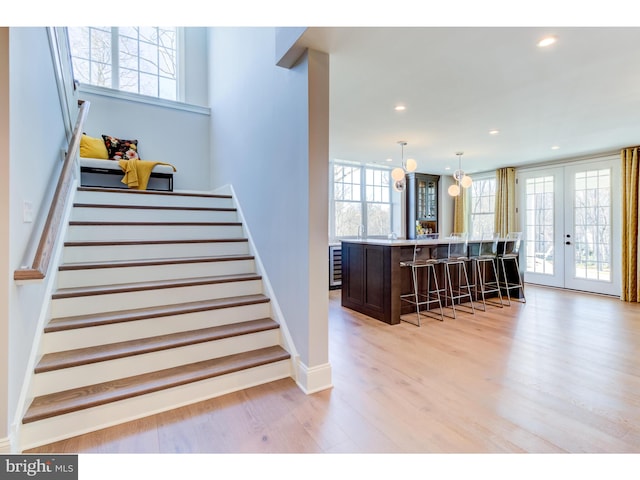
(314, 379)
(5, 445)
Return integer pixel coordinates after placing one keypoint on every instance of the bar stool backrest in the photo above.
(512, 244)
(458, 245)
(420, 253)
(489, 245)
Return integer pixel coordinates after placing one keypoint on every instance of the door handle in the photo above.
(567, 243)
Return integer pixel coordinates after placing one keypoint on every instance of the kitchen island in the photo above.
(373, 280)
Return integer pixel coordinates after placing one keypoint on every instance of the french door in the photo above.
(570, 217)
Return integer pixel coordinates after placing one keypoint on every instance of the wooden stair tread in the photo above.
(153, 285)
(100, 223)
(88, 355)
(100, 243)
(68, 401)
(152, 262)
(93, 320)
(154, 207)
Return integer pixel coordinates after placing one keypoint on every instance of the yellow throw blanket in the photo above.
(137, 172)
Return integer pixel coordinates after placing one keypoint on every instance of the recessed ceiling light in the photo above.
(546, 41)
(494, 132)
(400, 108)
(389, 159)
(555, 147)
(447, 168)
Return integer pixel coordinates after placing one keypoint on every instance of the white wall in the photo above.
(261, 146)
(164, 134)
(4, 239)
(35, 139)
(195, 66)
(446, 206)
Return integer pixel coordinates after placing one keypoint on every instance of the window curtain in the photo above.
(460, 212)
(505, 211)
(630, 192)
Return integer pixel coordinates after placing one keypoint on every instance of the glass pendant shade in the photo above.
(462, 179)
(399, 185)
(397, 174)
(454, 190)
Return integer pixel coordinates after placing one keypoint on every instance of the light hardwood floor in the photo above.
(560, 373)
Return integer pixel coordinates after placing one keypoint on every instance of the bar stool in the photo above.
(456, 260)
(485, 269)
(509, 255)
(421, 260)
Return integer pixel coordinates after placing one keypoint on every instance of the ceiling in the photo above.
(581, 95)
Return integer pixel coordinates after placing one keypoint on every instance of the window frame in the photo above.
(471, 203)
(362, 201)
(114, 89)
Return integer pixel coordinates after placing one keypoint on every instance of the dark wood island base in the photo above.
(373, 280)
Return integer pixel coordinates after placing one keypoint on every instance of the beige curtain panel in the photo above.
(505, 211)
(630, 193)
(460, 212)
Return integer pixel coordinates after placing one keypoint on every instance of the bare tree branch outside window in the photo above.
(146, 60)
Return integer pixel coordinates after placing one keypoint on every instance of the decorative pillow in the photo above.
(121, 149)
(91, 147)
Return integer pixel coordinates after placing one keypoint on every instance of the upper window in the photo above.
(141, 60)
(483, 205)
(361, 201)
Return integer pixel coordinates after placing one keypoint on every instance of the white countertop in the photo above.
(405, 242)
(399, 242)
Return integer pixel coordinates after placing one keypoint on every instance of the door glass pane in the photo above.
(540, 231)
(592, 222)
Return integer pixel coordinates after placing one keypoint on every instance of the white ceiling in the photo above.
(582, 94)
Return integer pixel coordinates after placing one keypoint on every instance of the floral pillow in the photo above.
(121, 149)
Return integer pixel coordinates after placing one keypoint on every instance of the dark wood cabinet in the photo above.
(422, 204)
(367, 286)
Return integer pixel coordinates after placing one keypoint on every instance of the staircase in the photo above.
(158, 305)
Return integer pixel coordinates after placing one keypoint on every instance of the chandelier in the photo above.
(460, 177)
(398, 174)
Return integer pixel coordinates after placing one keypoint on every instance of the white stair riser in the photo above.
(117, 198)
(67, 307)
(83, 214)
(90, 374)
(69, 425)
(148, 252)
(116, 276)
(150, 327)
(82, 233)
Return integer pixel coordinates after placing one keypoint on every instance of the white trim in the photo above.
(181, 86)
(313, 379)
(278, 316)
(5, 445)
(50, 284)
(574, 161)
(146, 99)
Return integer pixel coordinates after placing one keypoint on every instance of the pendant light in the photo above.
(462, 180)
(398, 174)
